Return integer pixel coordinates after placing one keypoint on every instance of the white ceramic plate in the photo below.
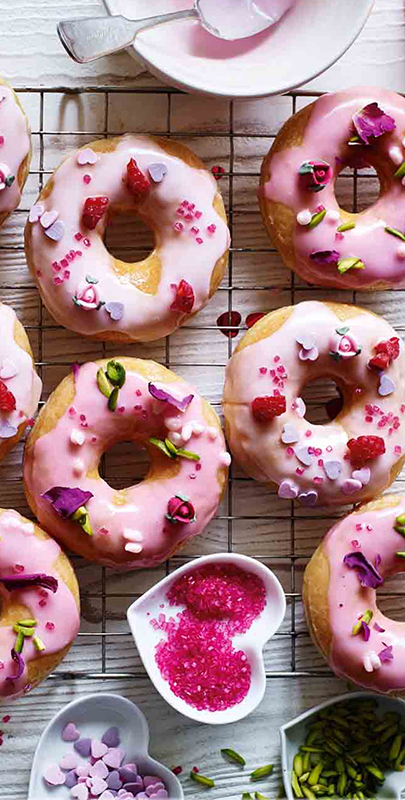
(149, 606)
(307, 40)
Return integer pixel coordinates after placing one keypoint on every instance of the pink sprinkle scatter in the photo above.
(78, 236)
(42, 603)
(138, 393)
(197, 467)
(329, 448)
(103, 531)
(359, 527)
(64, 263)
(355, 543)
(72, 412)
(198, 658)
(263, 370)
(78, 253)
(199, 240)
(397, 450)
(194, 230)
(290, 451)
(82, 417)
(56, 266)
(121, 409)
(178, 227)
(86, 242)
(369, 528)
(299, 471)
(318, 479)
(50, 626)
(320, 462)
(57, 280)
(66, 274)
(198, 214)
(339, 235)
(211, 229)
(19, 568)
(308, 434)
(320, 208)
(192, 476)
(180, 212)
(368, 418)
(86, 178)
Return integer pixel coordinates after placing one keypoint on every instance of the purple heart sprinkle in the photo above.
(111, 737)
(157, 172)
(83, 746)
(56, 231)
(7, 430)
(115, 310)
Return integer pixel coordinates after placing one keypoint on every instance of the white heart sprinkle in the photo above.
(363, 475)
(7, 431)
(157, 172)
(87, 156)
(300, 407)
(48, 218)
(332, 469)
(307, 340)
(304, 456)
(8, 369)
(351, 486)
(56, 231)
(387, 385)
(36, 212)
(287, 490)
(309, 355)
(290, 434)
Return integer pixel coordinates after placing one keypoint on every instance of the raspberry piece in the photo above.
(386, 353)
(7, 399)
(137, 182)
(93, 210)
(266, 408)
(364, 448)
(184, 299)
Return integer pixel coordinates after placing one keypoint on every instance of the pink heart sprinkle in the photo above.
(98, 749)
(149, 780)
(87, 156)
(83, 770)
(113, 758)
(36, 212)
(54, 775)
(80, 791)
(48, 218)
(98, 770)
(107, 795)
(69, 761)
(154, 787)
(97, 785)
(56, 231)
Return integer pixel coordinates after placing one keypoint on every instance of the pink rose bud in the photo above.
(179, 509)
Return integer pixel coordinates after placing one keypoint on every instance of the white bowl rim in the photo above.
(198, 87)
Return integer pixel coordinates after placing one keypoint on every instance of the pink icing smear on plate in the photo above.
(198, 658)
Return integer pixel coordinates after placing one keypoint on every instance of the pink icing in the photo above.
(180, 254)
(25, 384)
(326, 136)
(15, 147)
(259, 448)
(348, 600)
(141, 519)
(18, 544)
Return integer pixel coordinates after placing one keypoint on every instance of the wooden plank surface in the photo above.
(260, 524)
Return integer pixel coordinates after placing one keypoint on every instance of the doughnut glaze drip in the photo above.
(18, 374)
(284, 195)
(130, 526)
(83, 286)
(14, 148)
(311, 462)
(22, 552)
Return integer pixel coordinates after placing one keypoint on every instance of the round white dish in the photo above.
(150, 605)
(307, 40)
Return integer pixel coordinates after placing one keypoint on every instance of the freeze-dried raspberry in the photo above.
(7, 399)
(266, 408)
(385, 354)
(137, 183)
(93, 210)
(365, 448)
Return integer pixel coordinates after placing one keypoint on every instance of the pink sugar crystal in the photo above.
(18, 568)
(263, 370)
(318, 479)
(290, 451)
(299, 471)
(178, 227)
(78, 236)
(50, 626)
(87, 178)
(211, 228)
(308, 433)
(199, 240)
(397, 450)
(369, 419)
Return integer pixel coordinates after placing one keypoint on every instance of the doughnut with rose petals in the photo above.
(355, 456)
(88, 290)
(128, 399)
(322, 242)
(39, 605)
(15, 150)
(355, 559)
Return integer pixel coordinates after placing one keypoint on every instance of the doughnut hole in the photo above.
(323, 399)
(358, 187)
(128, 237)
(124, 464)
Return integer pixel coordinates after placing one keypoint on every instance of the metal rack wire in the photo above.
(229, 288)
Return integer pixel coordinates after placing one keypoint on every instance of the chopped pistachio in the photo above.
(21, 629)
(113, 399)
(347, 226)
(202, 779)
(400, 171)
(233, 756)
(316, 219)
(103, 383)
(349, 263)
(28, 623)
(261, 772)
(394, 232)
(37, 641)
(116, 373)
(82, 517)
(19, 643)
(367, 617)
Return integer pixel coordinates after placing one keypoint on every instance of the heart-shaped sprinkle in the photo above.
(332, 469)
(289, 434)
(80, 791)
(363, 475)
(136, 784)
(229, 318)
(308, 498)
(351, 486)
(98, 770)
(87, 156)
(7, 431)
(309, 355)
(8, 369)
(113, 758)
(107, 795)
(128, 772)
(307, 340)
(71, 779)
(69, 761)
(160, 793)
(36, 212)
(56, 231)
(70, 733)
(300, 407)
(48, 218)
(83, 747)
(387, 385)
(98, 749)
(157, 172)
(115, 310)
(54, 775)
(287, 490)
(114, 781)
(111, 737)
(304, 456)
(97, 785)
(150, 780)
(83, 770)
(153, 788)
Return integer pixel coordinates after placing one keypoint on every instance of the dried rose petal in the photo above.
(11, 582)
(228, 320)
(166, 397)
(20, 666)
(325, 256)
(366, 572)
(66, 500)
(365, 630)
(372, 121)
(386, 655)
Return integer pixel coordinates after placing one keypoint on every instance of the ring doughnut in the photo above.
(359, 453)
(142, 525)
(321, 241)
(39, 605)
(92, 293)
(15, 150)
(20, 386)
(359, 642)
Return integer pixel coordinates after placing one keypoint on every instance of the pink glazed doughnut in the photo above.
(15, 150)
(126, 400)
(39, 605)
(92, 293)
(358, 454)
(358, 554)
(322, 242)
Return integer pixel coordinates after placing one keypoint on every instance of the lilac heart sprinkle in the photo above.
(83, 746)
(7, 430)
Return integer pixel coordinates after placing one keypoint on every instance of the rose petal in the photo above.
(371, 121)
(166, 397)
(366, 572)
(66, 500)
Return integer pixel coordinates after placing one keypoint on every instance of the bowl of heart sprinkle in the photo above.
(198, 657)
(98, 768)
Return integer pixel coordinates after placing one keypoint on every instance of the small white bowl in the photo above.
(93, 715)
(252, 642)
(307, 40)
(294, 733)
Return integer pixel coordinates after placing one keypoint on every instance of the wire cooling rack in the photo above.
(296, 532)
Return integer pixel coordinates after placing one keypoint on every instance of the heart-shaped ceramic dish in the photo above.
(93, 715)
(306, 41)
(293, 735)
(146, 637)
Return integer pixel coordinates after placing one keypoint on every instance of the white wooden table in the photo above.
(250, 520)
